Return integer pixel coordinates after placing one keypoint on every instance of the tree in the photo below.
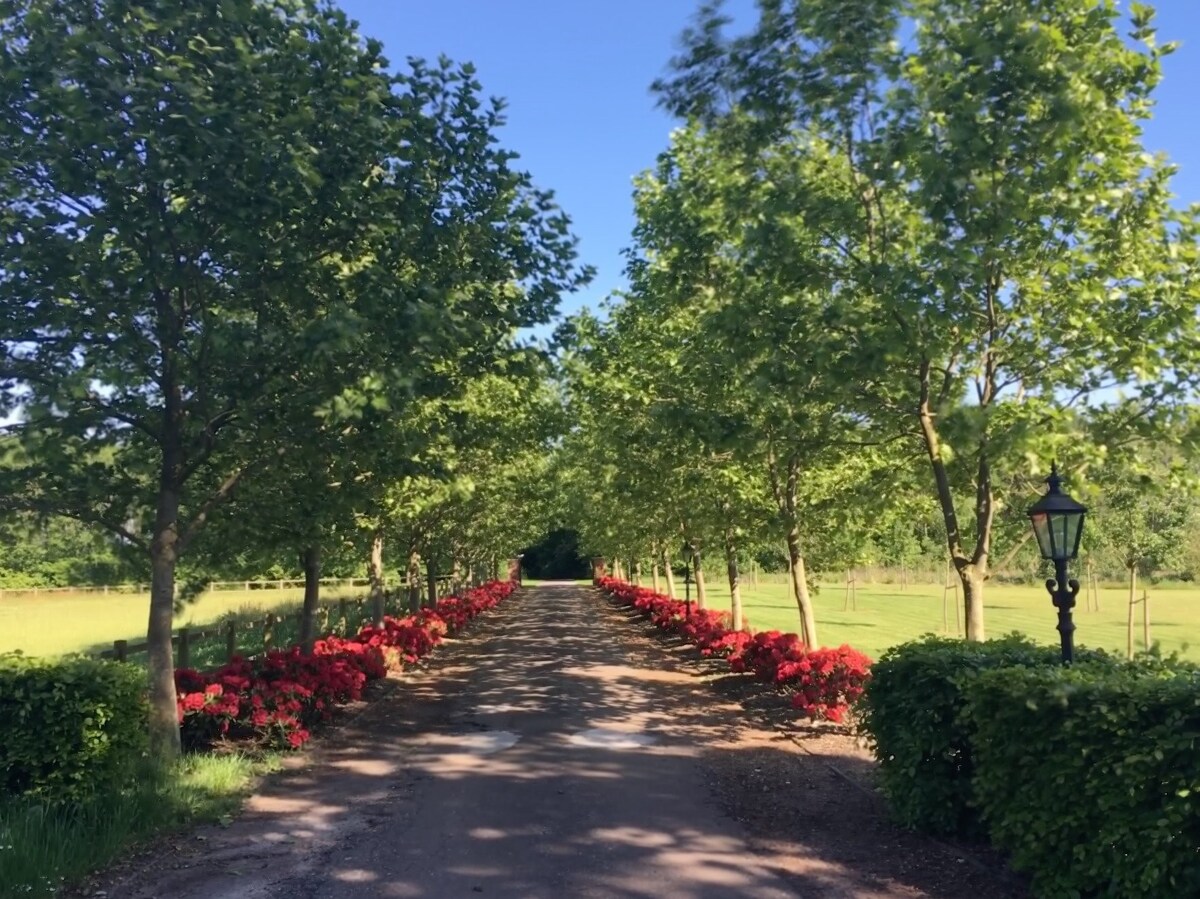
(1141, 516)
(758, 382)
(988, 225)
(166, 262)
(221, 218)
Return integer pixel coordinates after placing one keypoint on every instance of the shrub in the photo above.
(823, 683)
(911, 711)
(69, 727)
(828, 682)
(276, 698)
(1090, 776)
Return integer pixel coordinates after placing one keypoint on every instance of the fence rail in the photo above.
(186, 637)
(242, 634)
(213, 587)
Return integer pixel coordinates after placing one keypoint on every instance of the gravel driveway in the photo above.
(559, 751)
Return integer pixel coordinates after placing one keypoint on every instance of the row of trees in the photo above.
(899, 255)
(260, 296)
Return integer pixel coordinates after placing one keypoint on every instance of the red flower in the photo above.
(273, 697)
(823, 682)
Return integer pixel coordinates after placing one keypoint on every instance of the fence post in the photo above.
(268, 631)
(120, 649)
(1146, 619)
(185, 650)
(231, 641)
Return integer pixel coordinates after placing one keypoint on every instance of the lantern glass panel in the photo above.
(1074, 531)
(1060, 525)
(1041, 530)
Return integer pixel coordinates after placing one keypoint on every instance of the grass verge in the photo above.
(45, 845)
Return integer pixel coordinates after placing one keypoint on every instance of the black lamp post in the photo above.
(1058, 525)
(687, 579)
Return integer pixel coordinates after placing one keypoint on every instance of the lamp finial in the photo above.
(1054, 480)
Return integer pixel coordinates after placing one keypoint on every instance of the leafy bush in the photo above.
(1090, 776)
(69, 727)
(911, 711)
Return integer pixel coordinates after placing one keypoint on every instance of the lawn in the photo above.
(64, 622)
(887, 615)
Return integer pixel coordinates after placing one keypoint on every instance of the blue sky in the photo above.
(576, 75)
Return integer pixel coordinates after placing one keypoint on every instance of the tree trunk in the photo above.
(636, 567)
(311, 559)
(654, 576)
(413, 577)
(698, 572)
(808, 621)
(165, 744)
(972, 581)
(668, 574)
(972, 569)
(1132, 602)
(375, 574)
(431, 596)
(495, 568)
(456, 575)
(1093, 586)
(735, 588)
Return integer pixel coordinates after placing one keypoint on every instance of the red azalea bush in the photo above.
(824, 683)
(275, 698)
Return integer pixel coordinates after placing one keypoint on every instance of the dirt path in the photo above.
(556, 752)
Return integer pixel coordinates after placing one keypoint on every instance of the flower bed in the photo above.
(823, 683)
(275, 698)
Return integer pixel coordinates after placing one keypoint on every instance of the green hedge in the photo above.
(1090, 776)
(69, 727)
(911, 712)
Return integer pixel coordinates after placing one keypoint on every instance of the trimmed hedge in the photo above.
(1090, 776)
(69, 727)
(911, 711)
(1087, 776)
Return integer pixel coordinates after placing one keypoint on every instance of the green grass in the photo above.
(63, 622)
(43, 846)
(887, 615)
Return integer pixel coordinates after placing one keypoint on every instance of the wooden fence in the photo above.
(186, 637)
(236, 630)
(213, 587)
